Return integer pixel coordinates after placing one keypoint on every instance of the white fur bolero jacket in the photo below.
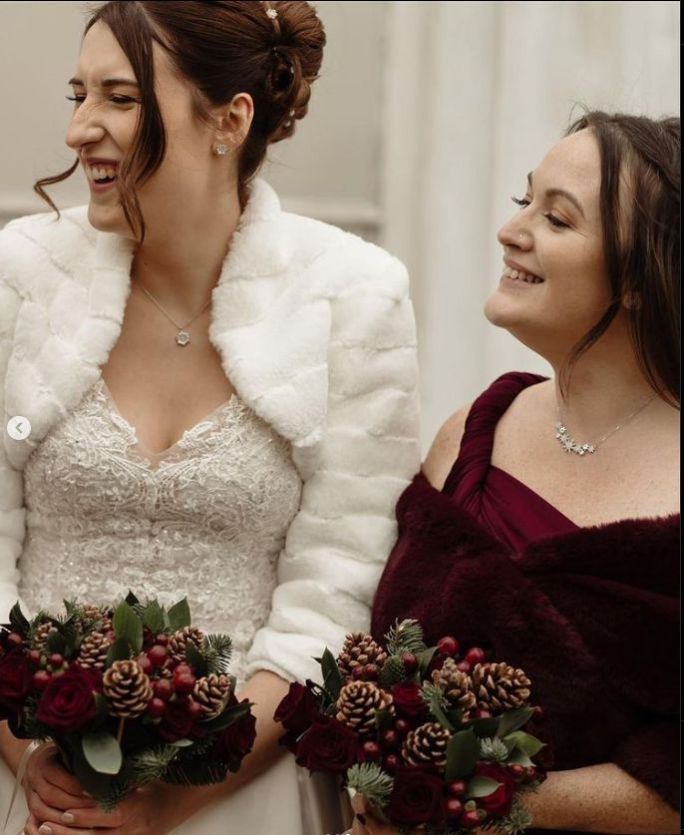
(315, 332)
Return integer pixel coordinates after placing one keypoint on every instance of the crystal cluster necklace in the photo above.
(569, 444)
(182, 337)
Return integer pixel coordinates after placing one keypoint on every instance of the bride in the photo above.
(221, 395)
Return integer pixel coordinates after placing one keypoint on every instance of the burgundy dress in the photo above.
(591, 614)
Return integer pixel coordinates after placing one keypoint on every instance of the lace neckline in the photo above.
(192, 430)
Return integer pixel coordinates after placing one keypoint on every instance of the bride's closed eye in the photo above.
(553, 220)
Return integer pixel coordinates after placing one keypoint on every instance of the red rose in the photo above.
(237, 740)
(16, 677)
(329, 746)
(499, 802)
(407, 699)
(298, 710)
(416, 798)
(68, 702)
(177, 722)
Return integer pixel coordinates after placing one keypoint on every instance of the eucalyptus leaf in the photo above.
(179, 614)
(128, 626)
(525, 742)
(462, 753)
(513, 720)
(153, 617)
(518, 757)
(481, 787)
(424, 658)
(332, 677)
(102, 753)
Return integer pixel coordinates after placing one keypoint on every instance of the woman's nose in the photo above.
(514, 233)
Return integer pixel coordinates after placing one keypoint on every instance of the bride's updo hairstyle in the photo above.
(220, 49)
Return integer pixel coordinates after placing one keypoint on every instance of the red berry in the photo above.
(453, 808)
(370, 672)
(357, 672)
(530, 772)
(389, 738)
(41, 679)
(448, 645)
(464, 666)
(475, 655)
(14, 639)
(156, 707)
(56, 660)
(182, 669)
(457, 788)
(163, 689)
(538, 712)
(401, 726)
(195, 709)
(483, 714)
(110, 635)
(470, 819)
(371, 750)
(35, 656)
(410, 662)
(516, 770)
(162, 639)
(157, 655)
(391, 762)
(184, 683)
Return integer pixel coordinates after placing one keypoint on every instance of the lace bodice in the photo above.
(205, 518)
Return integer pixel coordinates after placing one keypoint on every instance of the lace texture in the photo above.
(206, 518)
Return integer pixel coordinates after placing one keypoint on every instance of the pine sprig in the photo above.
(392, 672)
(217, 651)
(405, 636)
(493, 749)
(372, 782)
(152, 764)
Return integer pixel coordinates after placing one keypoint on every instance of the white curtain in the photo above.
(476, 92)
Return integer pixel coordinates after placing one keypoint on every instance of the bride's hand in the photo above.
(365, 823)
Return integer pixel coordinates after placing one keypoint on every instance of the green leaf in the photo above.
(101, 709)
(518, 757)
(18, 621)
(524, 742)
(196, 660)
(102, 752)
(512, 720)
(481, 787)
(485, 728)
(128, 626)
(424, 658)
(230, 714)
(120, 650)
(179, 615)
(56, 642)
(332, 677)
(463, 752)
(182, 743)
(435, 700)
(153, 617)
(384, 719)
(131, 599)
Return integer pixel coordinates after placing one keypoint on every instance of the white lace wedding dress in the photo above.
(205, 518)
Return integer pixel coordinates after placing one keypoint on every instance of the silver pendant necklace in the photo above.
(569, 444)
(182, 337)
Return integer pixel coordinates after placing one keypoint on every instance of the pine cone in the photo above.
(456, 686)
(500, 687)
(358, 650)
(127, 688)
(41, 634)
(358, 702)
(178, 641)
(212, 692)
(427, 745)
(93, 651)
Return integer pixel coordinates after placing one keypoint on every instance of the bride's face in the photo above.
(103, 126)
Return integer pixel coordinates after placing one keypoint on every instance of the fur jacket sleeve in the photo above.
(316, 333)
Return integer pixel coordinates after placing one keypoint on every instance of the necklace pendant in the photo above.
(182, 338)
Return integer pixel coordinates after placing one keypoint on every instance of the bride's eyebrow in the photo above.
(108, 82)
(560, 192)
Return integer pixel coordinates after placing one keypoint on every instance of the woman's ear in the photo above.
(631, 300)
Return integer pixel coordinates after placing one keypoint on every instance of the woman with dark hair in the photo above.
(222, 395)
(544, 525)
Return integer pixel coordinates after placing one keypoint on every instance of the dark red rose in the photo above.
(407, 699)
(499, 802)
(416, 798)
(329, 746)
(177, 722)
(298, 710)
(237, 740)
(15, 682)
(68, 702)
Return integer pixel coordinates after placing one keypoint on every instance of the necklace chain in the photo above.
(182, 337)
(568, 443)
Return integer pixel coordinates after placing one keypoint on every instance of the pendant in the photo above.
(569, 445)
(182, 338)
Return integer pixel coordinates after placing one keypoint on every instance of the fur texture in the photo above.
(316, 333)
(592, 616)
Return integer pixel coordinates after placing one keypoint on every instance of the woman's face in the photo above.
(555, 285)
(103, 125)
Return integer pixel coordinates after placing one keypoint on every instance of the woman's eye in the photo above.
(521, 201)
(115, 99)
(554, 221)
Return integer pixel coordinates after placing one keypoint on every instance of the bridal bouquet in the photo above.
(129, 694)
(432, 737)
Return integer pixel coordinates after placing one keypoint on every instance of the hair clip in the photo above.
(272, 13)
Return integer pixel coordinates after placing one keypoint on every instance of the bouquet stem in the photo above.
(119, 735)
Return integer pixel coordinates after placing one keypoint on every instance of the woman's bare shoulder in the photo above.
(445, 448)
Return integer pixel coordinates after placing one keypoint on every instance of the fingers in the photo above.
(31, 826)
(53, 783)
(60, 829)
(90, 819)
